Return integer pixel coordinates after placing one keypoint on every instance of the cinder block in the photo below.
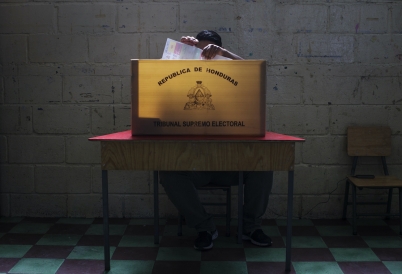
(300, 119)
(122, 181)
(1, 89)
(394, 119)
(63, 179)
(396, 155)
(84, 206)
(330, 150)
(17, 179)
(283, 47)
(322, 207)
(136, 206)
(301, 18)
(16, 119)
(30, 18)
(3, 149)
(86, 18)
(13, 49)
(278, 207)
(34, 149)
(121, 70)
(128, 17)
(126, 90)
(381, 90)
(151, 19)
(197, 16)
(344, 116)
(369, 18)
(92, 89)
(327, 90)
(32, 205)
(284, 90)
(33, 89)
(110, 119)
(61, 119)
(321, 179)
(5, 205)
(325, 48)
(119, 48)
(90, 206)
(81, 151)
(58, 48)
(396, 15)
(379, 49)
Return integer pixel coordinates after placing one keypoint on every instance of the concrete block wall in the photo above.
(65, 77)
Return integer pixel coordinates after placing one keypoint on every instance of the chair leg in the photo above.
(346, 200)
(228, 210)
(180, 225)
(389, 203)
(354, 210)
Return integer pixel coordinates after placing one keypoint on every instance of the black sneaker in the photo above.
(258, 237)
(204, 240)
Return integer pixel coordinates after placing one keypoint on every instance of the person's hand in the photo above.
(189, 40)
(211, 50)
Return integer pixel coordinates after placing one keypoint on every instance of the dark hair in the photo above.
(209, 35)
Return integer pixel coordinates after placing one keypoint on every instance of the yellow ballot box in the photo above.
(198, 97)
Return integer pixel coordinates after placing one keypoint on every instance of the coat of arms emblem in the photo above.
(199, 97)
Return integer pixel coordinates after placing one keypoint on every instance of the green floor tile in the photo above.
(171, 230)
(394, 267)
(59, 239)
(178, 254)
(306, 242)
(223, 267)
(11, 219)
(295, 222)
(354, 255)
(89, 252)
(13, 251)
(37, 265)
(31, 228)
(265, 254)
(97, 229)
(75, 221)
(383, 242)
(317, 268)
(132, 267)
(137, 241)
(227, 242)
(147, 221)
(335, 230)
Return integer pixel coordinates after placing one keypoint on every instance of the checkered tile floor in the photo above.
(65, 245)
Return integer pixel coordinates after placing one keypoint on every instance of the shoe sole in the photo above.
(204, 248)
(247, 238)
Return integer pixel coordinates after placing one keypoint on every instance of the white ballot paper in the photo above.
(175, 50)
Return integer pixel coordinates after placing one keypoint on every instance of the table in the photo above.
(122, 151)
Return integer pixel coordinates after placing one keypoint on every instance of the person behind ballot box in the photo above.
(211, 44)
(181, 186)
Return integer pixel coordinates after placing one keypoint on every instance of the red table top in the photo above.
(126, 136)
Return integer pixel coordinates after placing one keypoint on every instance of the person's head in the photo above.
(206, 37)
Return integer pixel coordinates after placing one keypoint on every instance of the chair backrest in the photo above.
(369, 141)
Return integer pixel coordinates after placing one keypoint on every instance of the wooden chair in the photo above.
(227, 204)
(370, 142)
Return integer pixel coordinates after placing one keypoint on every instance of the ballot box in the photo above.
(198, 97)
